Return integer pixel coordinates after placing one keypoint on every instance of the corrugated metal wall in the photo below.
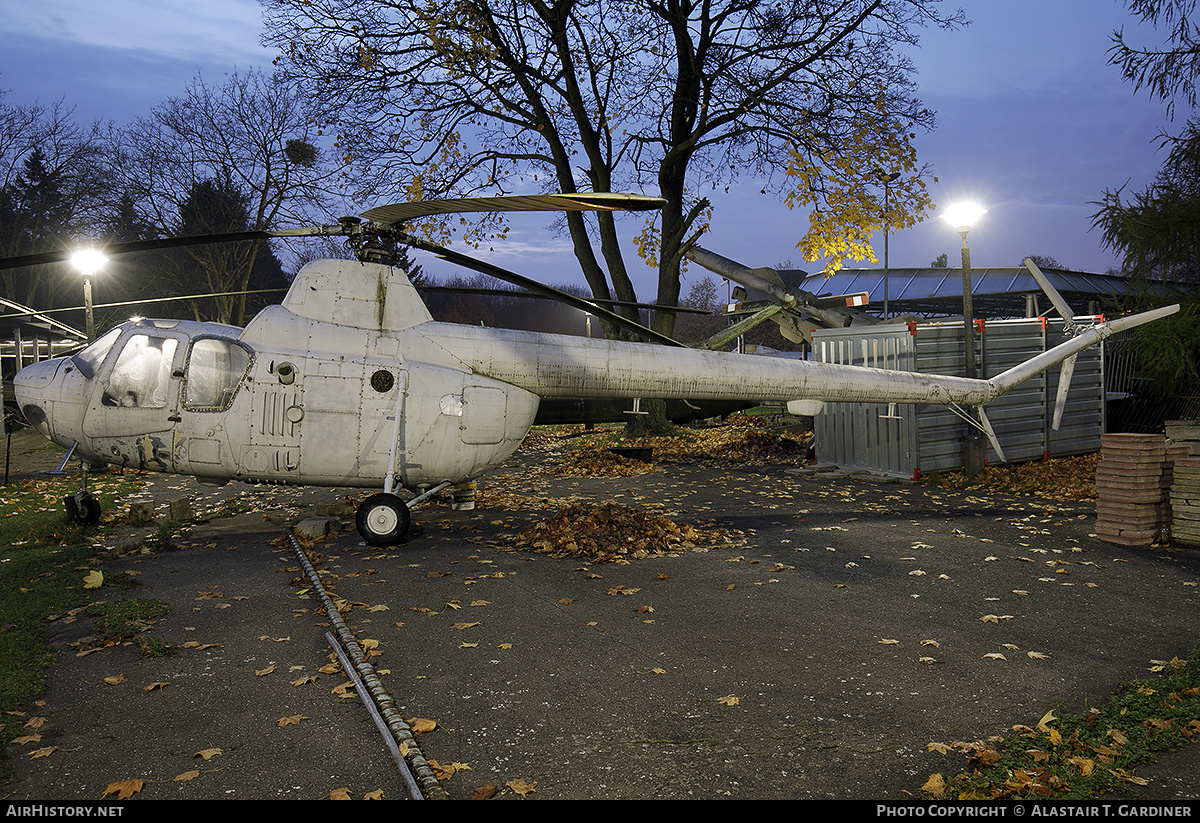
(906, 440)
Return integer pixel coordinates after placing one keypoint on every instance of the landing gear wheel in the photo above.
(83, 509)
(383, 519)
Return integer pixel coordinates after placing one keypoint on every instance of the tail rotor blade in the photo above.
(1056, 299)
(1064, 386)
(1064, 311)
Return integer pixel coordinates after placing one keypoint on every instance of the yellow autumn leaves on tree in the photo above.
(846, 199)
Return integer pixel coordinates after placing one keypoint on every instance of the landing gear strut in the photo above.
(383, 519)
(82, 508)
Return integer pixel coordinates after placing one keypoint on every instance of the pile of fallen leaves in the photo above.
(613, 532)
(1058, 478)
(762, 446)
(543, 439)
(739, 438)
(599, 461)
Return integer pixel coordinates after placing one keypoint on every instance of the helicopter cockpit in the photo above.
(136, 378)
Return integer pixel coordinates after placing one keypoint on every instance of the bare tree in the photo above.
(53, 183)
(255, 137)
(680, 97)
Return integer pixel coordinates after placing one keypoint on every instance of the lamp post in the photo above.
(88, 262)
(886, 180)
(962, 217)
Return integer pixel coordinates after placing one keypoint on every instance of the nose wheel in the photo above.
(383, 519)
(82, 508)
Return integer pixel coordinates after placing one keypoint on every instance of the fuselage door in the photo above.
(135, 400)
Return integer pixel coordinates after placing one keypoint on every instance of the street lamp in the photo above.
(88, 262)
(886, 180)
(962, 216)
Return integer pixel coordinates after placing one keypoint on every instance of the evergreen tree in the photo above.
(35, 216)
(213, 206)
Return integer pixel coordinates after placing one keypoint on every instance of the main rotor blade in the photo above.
(532, 296)
(385, 216)
(539, 288)
(395, 213)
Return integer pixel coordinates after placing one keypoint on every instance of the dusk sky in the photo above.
(1033, 122)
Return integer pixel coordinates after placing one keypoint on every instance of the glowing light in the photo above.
(963, 215)
(88, 261)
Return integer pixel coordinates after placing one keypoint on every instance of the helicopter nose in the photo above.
(32, 387)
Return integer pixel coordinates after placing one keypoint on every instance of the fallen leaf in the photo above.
(522, 786)
(123, 789)
(421, 725)
(935, 786)
(1127, 777)
(484, 792)
(441, 772)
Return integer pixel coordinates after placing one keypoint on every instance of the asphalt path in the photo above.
(849, 623)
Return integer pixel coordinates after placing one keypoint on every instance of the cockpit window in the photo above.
(215, 369)
(88, 361)
(142, 374)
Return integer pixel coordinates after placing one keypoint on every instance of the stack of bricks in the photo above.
(1132, 496)
(1185, 484)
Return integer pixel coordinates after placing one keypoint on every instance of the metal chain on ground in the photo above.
(399, 729)
(414, 791)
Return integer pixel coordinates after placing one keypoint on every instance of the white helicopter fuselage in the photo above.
(350, 382)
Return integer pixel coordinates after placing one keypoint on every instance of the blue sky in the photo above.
(1033, 123)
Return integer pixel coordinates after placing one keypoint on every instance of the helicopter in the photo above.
(350, 382)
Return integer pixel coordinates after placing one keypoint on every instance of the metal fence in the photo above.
(908, 440)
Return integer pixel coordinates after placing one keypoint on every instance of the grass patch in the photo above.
(122, 620)
(43, 560)
(1089, 755)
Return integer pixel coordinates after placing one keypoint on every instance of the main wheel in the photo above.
(382, 519)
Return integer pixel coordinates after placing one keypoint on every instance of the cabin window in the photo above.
(88, 361)
(142, 374)
(215, 369)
